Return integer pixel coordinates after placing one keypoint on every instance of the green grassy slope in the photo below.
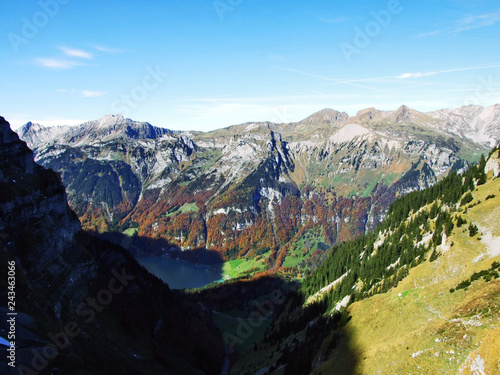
(420, 327)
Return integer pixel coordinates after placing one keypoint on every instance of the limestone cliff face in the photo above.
(493, 164)
(128, 321)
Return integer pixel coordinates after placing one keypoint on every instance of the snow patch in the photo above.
(241, 226)
(477, 366)
(425, 240)
(491, 242)
(416, 354)
(445, 246)
(493, 165)
(272, 195)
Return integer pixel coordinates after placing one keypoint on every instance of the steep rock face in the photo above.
(32, 198)
(127, 321)
(493, 164)
(256, 188)
(474, 122)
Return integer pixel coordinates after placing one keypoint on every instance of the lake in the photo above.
(179, 274)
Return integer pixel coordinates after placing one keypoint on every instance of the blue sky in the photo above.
(205, 64)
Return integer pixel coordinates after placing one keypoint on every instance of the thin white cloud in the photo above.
(91, 94)
(466, 23)
(57, 121)
(474, 22)
(333, 80)
(76, 53)
(279, 109)
(17, 120)
(416, 75)
(54, 63)
(82, 93)
(412, 75)
(429, 33)
(109, 49)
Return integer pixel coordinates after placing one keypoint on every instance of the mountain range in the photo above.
(281, 192)
(417, 294)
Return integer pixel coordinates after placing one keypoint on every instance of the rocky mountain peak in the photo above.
(326, 116)
(107, 120)
(29, 126)
(403, 113)
(367, 114)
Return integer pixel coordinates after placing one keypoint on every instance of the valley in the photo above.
(236, 187)
(422, 273)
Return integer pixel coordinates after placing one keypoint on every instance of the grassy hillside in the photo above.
(419, 295)
(420, 327)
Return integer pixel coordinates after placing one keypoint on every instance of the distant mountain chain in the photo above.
(255, 189)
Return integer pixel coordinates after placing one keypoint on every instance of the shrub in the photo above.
(461, 221)
(473, 230)
(466, 199)
(463, 285)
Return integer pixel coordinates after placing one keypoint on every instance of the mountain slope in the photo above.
(104, 313)
(421, 292)
(473, 122)
(256, 188)
(420, 327)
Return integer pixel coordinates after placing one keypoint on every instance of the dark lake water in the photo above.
(179, 274)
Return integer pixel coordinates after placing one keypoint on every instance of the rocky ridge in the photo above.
(262, 184)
